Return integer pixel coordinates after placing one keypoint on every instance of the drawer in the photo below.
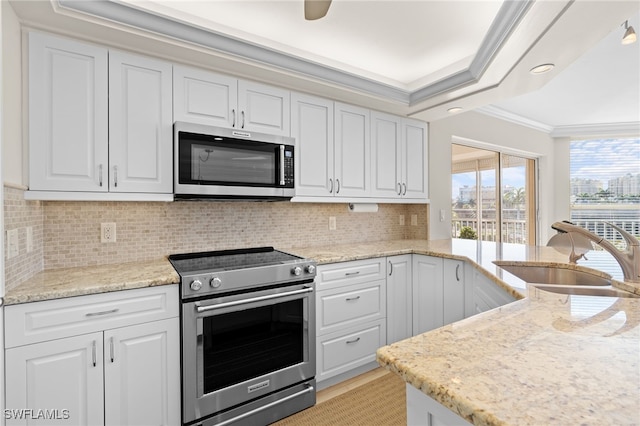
(345, 273)
(350, 305)
(340, 352)
(54, 319)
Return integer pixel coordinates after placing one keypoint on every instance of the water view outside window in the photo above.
(492, 196)
(605, 186)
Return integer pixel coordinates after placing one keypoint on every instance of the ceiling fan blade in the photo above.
(315, 9)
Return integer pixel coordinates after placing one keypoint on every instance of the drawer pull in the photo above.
(96, 314)
(356, 340)
(351, 273)
(349, 299)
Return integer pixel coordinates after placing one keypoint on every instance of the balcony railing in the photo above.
(513, 230)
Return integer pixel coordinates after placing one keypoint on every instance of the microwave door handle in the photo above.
(281, 165)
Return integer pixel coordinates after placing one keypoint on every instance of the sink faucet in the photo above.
(629, 258)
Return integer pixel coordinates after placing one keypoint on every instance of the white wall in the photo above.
(12, 159)
(485, 131)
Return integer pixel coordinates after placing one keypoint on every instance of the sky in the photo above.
(604, 159)
(600, 159)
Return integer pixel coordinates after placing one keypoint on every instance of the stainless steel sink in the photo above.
(557, 274)
(585, 291)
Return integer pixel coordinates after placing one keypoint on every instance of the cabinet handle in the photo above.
(330, 186)
(233, 114)
(357, 339)
(457, 275)
(338, 184)
(348, 274)
(115, 176)
(349, 299)
(399, 188)
(93, 353)
(95, 314)
(242, 127)
(100, 174)
(111, 349)
(390, 268)
(404, 189)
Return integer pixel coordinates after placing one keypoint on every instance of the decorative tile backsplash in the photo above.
(67, 234)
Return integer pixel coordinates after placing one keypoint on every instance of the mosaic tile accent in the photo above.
(67, 234)
(20, 214)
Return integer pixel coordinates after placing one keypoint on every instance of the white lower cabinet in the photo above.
(482, 294)
(351, 316)
(105, 361)
(426, 411)
(427, 293)
(399, 298)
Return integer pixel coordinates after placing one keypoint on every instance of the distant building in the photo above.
(625, 185)
(585, 186)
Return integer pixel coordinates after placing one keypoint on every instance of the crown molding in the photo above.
(506, 20)
(569, 131)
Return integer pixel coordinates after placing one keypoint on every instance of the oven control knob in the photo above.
(215, 282)
(195, 285)
(296, 271)
(311, 269)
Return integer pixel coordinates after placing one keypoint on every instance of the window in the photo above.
(605, 186)
(492, 196)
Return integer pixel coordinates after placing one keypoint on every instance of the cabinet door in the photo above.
(204, 97)
(142, 374)
(399, 300)
(68, 115)
(263, 108)
(140, 124)
(385, 155)
(312, 128)
(415, 160)
(453, 291)
(63, 374)
(485, 294)
(352, 151)
(427, 293)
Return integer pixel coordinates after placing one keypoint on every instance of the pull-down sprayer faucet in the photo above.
(629, 258)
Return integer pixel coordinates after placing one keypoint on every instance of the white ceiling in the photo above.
(416, 57)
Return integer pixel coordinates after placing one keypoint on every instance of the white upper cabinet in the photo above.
(312, 128)
(206, 97)
(140, 124)
(352, 151)
(100, 123)
(399, 152)
(414, 157)
(68, 121)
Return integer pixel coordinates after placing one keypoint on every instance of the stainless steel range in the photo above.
(248, 340)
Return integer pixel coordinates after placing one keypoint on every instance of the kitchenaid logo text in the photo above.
(36, 414)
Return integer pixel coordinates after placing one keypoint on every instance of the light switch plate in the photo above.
(13, 248)
(332, 223)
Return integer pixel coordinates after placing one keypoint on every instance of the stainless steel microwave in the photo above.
(218, 163)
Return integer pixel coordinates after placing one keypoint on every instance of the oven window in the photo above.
(244, 344)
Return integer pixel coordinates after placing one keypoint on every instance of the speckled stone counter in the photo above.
(546, 359)
(59, 283)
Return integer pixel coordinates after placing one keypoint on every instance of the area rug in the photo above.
(379, 402)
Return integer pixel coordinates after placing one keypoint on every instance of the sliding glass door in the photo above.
(492, 196)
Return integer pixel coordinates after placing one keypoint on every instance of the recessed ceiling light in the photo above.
(453, 110)
(541, 69)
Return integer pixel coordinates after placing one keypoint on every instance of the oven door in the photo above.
(241, 347)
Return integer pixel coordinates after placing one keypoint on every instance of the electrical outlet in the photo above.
(401, 220)
(441, 215)
(12, 243)
(332, 223)
(414, 220)
(29, 239)
(108, 233)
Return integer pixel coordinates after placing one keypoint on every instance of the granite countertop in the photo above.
(546, 359)
(68, 282)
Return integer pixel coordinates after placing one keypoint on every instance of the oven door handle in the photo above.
(201, 309)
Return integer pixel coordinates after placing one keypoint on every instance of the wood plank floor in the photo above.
(347, 385)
